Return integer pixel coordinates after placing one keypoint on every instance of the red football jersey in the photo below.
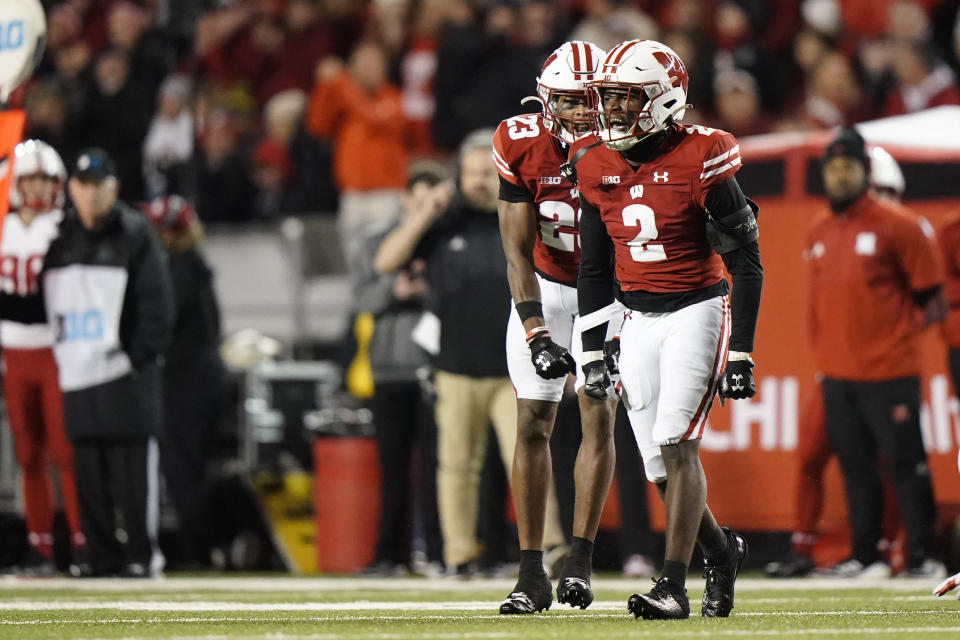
(655, 214)
(528, 156)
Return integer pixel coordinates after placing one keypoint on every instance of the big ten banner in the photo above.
(750, 447)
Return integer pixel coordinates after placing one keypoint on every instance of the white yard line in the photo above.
(286, 583)
(414, 607)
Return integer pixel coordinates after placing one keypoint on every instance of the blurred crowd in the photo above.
(254, 108)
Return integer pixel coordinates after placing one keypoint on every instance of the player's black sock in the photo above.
(676, 571)
(579, 562)
(531, 570)
(714, 544)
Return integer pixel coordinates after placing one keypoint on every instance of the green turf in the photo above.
(292, 609)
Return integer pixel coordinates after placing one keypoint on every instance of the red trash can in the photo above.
(346, 501)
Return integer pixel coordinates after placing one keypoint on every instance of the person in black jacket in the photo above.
(109, 298)
(194, 377)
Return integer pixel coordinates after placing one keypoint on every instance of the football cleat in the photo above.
(721, 577)
(575, 592)
(666, 601)
(793, 565)
(526, 600)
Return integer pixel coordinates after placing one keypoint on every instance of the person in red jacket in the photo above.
(876, 283)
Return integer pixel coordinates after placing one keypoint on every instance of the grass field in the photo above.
(320, 608)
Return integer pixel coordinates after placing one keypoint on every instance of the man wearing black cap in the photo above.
(876, 280)
(109, 299)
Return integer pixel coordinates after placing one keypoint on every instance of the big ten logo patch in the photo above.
(79, 325)
(12, 35)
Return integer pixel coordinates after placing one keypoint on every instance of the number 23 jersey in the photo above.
(654, 214)
(526, 155)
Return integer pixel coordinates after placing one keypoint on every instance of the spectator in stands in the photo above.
(923, 81)
(224, 190)
(738, 104)
(833, 94)
(417, 70)
(866, 317)
(360, 112)
(607, 23)
(482, 73)
(128, 30)
(467, 274)
(117, 116)
(168, 147)
(194, 377)
(306, 183)
(403, 417)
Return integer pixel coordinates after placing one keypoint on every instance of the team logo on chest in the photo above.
(661, 176)
(636, 191)
(866, 244)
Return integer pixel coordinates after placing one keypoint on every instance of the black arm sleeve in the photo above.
(746, 270)
(743, 263)
(510, 192)
(23, 309)
(725, 198)
(595, 280)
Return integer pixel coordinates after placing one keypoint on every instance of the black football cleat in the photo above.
(666, 601)
(575, 592)
(721, 577)
(526, 600)
(793, 565)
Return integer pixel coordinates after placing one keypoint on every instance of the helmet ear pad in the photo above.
(670, 104)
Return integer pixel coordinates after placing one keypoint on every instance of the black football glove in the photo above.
(611, 355)
(596, 379)
(737, 382)
(550, 359)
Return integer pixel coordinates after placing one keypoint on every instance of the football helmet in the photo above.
(649, 82)
(566, 73)
(30, 158)
(885, 173)
(170, 213)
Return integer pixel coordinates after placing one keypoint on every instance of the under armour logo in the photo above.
(660, 176)
(542, 362)
(737, 381)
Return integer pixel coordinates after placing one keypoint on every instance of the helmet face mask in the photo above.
(641, 90)
(562, 89)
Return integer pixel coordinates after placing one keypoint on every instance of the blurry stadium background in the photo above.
(216, 100)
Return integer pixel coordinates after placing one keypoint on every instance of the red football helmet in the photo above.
(170, 213)
(566, 73)
(640, 90)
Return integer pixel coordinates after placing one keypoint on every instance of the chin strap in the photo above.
(569, 169)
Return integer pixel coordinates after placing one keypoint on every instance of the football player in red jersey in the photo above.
(538, 222)
(31, 388)
(661, 200)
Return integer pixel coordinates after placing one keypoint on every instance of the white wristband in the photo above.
(592, 356)
(733, 356)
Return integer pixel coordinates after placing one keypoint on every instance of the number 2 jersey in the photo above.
(22, 250)
(529, 157)
(655, 214)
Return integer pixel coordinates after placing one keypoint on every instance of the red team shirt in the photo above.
(527, 155)
(654, 214)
